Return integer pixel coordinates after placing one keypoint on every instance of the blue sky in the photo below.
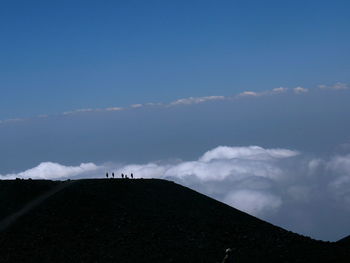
(63, 56)
(245, 101)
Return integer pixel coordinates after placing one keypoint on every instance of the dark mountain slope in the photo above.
(14, 194)
(344, 241)
(150, 221)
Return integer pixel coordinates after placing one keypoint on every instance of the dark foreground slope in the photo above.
(149, 221)
(14, 194)
(344, 241)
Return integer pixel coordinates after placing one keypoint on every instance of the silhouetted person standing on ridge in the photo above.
(132, 176)
(107, 175)
(122, 175)
(228, 256)
(113, 175)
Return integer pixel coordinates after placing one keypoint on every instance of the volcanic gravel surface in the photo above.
(123, 220)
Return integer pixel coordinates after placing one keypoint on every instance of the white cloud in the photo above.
(250, 152)
(336, 86)
(92, 110)
(114, 109)
(253, 202)
(340, 164)
(195, 100)
(274, 91)
(340, 86)
(339, 168)
(154, 104)
(150, 170)
(136, 105)
(248, 94)
(78, 111)
(279, 90)
(314, 166)
(49, 170)
(300, 90)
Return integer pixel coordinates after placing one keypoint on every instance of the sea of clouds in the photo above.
(286, 187)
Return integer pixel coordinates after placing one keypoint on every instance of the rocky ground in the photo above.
(14, 194)
(116, 220)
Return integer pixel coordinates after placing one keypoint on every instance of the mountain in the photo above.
(142, 220)
(344, 241)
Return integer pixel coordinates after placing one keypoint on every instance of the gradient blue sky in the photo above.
(60, 56)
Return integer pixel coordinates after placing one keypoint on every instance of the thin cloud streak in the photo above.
(190, 101)
(300, 90)
(12, 120)
(336, 86)
(195, 100)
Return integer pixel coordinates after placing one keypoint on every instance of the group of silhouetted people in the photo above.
(123, 176)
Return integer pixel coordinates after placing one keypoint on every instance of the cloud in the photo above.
(78, 111)
(154, 104)
(279, 90)
(49, 170)
(250, 152)
(11, 120)
(113, 109)
(92, 110)
(195, 100)
(339, 186)
(340, 164)
(336, 86)
(300, 90)
(248, 94)
(340, 86)
(274, 91)
(253, 202)
(136, 106)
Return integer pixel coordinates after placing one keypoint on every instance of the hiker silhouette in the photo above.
(113, 175)
(228, 256)
(123, 176)
(132, 176)
(107, 175)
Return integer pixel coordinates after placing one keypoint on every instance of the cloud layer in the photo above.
(49, 170)
(196, 100)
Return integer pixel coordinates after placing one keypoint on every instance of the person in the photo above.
(122, 175)
(113, 175)
(228, 256)
(132, 176)
(107, 174)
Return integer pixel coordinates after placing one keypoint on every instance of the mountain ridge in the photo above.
(150, 220)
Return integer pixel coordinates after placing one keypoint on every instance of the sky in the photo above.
(245, 101)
